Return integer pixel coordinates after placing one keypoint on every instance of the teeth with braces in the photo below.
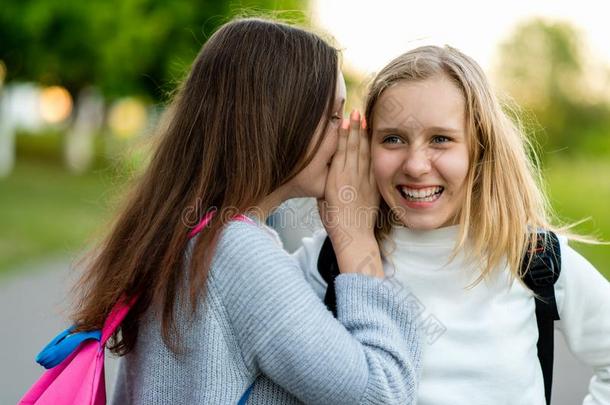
(422, 194)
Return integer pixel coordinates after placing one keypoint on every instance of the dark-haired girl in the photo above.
(218, 301)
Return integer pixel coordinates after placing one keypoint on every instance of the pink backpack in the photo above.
(79, 377)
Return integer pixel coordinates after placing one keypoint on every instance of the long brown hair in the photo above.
(238, 128)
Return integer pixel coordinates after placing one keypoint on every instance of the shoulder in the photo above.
(307, 258)
(316, 240)
(578, 279)
(248, 236)
(249, 255)
(573, 264)
(308, 252)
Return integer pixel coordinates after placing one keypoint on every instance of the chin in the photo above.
(423, 227)
(418, 225)
(319, 193)
(312, 191)
(422, 222)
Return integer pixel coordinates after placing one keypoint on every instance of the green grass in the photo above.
(46, 211)
(580, 189)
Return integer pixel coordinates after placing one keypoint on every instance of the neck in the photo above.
(267, 205)
(447, 235)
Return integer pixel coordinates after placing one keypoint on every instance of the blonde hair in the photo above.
(504, 203)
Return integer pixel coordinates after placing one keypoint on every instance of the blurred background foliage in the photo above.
(140, 47)
(545, 67)
(135, 52)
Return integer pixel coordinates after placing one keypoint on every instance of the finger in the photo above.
(365, 150)
(353, 141)
(371, 173)
(340, 154)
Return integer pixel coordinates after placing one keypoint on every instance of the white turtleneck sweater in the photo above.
(481, 342)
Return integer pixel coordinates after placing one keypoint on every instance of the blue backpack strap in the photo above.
(540, 276)
(63, 345)
(246, 395)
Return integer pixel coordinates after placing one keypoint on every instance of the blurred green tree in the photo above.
(542, 65)
(124, 47)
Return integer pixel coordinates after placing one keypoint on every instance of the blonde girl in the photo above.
(453, 168)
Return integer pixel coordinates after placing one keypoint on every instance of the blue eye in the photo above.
(392, 139)
(440, 139)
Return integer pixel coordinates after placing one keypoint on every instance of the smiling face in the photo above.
(419, 151)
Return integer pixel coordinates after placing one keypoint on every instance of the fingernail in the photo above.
(355, 115)
(345, 123)
(363, 123)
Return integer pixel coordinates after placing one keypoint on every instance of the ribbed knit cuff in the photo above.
(365, 299)
(358, 293)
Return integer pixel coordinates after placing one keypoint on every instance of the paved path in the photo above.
(31, 305)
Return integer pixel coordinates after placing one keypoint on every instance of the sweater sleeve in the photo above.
(583, 299)
(369, 355)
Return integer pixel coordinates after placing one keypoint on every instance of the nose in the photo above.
(417, 163)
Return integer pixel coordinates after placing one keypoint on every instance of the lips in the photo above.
(421, 194)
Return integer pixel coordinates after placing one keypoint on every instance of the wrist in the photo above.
(360, 255)
(341, 236)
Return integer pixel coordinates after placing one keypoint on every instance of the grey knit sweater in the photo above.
(260, 320)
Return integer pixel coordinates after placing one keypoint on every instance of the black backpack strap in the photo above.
(540, 276)
(329, 270)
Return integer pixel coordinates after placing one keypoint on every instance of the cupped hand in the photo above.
(351, 199)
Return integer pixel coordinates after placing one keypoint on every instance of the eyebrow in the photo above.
(408, 130)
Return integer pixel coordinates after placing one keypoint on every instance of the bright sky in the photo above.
(373, 32)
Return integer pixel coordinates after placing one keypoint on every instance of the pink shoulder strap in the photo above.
(208, 217)
(116, 316)
(122, 307)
